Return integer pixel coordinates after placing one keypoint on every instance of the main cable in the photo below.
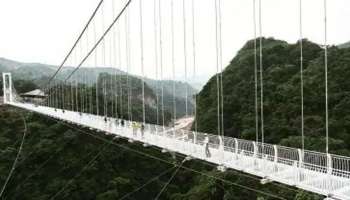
(76, 42)
(169, 162)
(170, 179)
(147, 183)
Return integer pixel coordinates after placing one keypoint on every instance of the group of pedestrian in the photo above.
(136, 126)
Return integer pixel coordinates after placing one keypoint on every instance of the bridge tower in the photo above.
(7, 87)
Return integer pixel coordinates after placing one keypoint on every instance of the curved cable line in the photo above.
(147, 183)
(100, 39)
(39, 168)
(77, 41)
(169, 162)
(87, 166)
(170, 179)
(17, 157)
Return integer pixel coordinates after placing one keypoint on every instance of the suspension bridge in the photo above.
(72, 99)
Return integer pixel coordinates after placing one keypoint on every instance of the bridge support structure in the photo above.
(7, 87)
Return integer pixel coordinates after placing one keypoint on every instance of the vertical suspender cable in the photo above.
(217, 68)
(127, 40)
(120, 76)
(326, 70)
(96, 73)
(194, 63)
(115, 82)
(261, 77)
(255, 75)
(301, 72)
(161, 60)
(185, 52)
(142, 64)
(104, 64)
(156, 57)
(173, 60)
(221, 69)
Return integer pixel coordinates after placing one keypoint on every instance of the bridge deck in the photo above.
(311, 171)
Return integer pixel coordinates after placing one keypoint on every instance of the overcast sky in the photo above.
(44, 30)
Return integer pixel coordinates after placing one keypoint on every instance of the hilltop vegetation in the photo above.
(345, 45)
(282, 96)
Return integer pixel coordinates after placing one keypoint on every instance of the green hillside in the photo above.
(282, 96)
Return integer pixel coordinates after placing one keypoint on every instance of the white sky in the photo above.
(44, 30)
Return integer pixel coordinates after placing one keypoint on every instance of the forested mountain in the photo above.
(345, 45)
(39, 74)
(282, 110)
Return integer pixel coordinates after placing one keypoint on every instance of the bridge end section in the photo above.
(7, 87)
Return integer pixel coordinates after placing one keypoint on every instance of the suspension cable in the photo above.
(217, 69)
(326, 70)
(194, 63)
(76, 42)
(261, 77)
(86, 166)
(185, 52)
(17, 157)
(301, 72)
(173, 60)
(170, 179)
(115, 84)
(101, 38)
(147, 183)
(96, 72)
(161, 60)
(142, 63)
(120, 81)
(127, 43)
(255, 75)
(156, 56)
(169, 162)
(221, 69)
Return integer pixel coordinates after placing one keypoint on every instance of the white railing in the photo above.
(313, 171)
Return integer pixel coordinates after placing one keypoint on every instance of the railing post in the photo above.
(255, 150)
(329, 164)
(236, 147)
(222, 149)
(275, 159)
(300, 164)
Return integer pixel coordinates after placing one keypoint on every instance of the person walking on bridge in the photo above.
(206, 146)
(134, 129)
